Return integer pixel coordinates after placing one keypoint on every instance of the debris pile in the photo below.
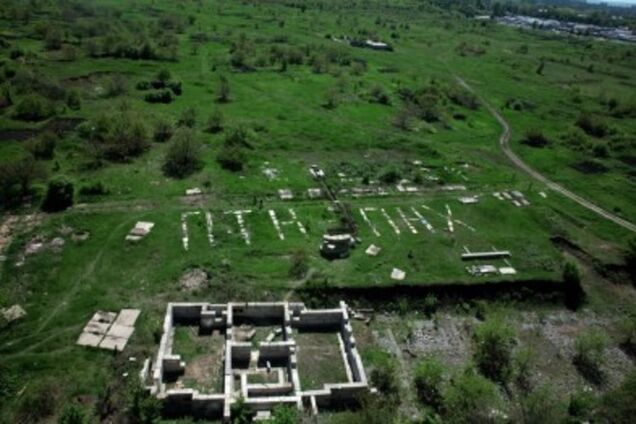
(140, 230)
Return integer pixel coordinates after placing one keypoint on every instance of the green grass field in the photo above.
(285, 112)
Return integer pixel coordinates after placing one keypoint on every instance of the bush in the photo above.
(379, 95)
(283, 414)
(73, 414)
(162, 96)
(163, 131)
(53, 39)
(589, 355)
(117, 85)
(142, 408)
(175, 87)
(95, 189)
(582, 405)
(384, 375)
(231, 158)
(573, 291)
(43, 147)
(126, 136)
(630, 259)
(188, 118)
(391, 176)
(618, 406)
(472, 398)
(542, 406)
(59, 196)
(215, 122)
(592, 126)
(74, 100)
(37, 404)
(16, 177)
(535, 138)
(429, 377)
(223, 90)
(183, 157)
(143, 85)
(493, 355)
(299, 265)
(33, 108)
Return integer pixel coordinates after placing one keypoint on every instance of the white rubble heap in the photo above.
(276, 356)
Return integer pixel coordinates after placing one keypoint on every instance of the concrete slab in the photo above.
(113, 343)
(398, 274)
(120, 331)
(101, 316)
(88, 339)
(373, 250)
(128, 317)
(96, 327)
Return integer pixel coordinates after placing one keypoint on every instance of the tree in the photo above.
(59, 196)
(535, 138)
(74, 100)
(572, 289)
(589, 355)
(183, 157)
(231, 158)
(494, 342)
(240, 412)
(223, 90)
(53, 39)
(164, 75)
(429, 377)
(472, 398)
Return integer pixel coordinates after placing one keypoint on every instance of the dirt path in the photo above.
(504, 140)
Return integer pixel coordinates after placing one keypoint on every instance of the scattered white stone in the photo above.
(12, 313)
(456, 187)
(468, 200)
(542, 194)
(390, 221)
(240, 219)
(285, 194)
(398, 274)
(507, 270)
(423, 220)
(316, 172)
(140, 230)
(185, 238)
(270, 173)
(373, 250)
(365, 217)
(314, 193)
(196, 191)
(407, 221)
(274, 219)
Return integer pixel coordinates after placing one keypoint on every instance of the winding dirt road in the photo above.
(504, 139)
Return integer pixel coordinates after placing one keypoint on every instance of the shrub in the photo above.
(37, 404)
(431, 303)
(592, 126)
(618, 405)
(582, 405)
(73, 414)
(463, 97)
(391, 176)
(630, 259)
(494, 342)
(164, 75)
(231, 158)
(283, 414)
(429, 377)
(117, 85)
(142, 408)
(175, 87)
(95, 189)
(573, 291)
(535, 138)
(59, 196)
(379, 95)
(163, 131)
(299, 265)
(472, 398)
(162, 96)
(33, 108)
(16, 177)
(125, 136)
(43, 147)
(74, 100)
(53, 39)
(183, 157)
(542, 406)
(215, 122)
(188, 118)
(523, 362)
(223, 90)
(589, 354)
(384, 375)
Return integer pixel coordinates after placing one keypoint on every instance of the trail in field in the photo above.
(88, 273)
(504, 140)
